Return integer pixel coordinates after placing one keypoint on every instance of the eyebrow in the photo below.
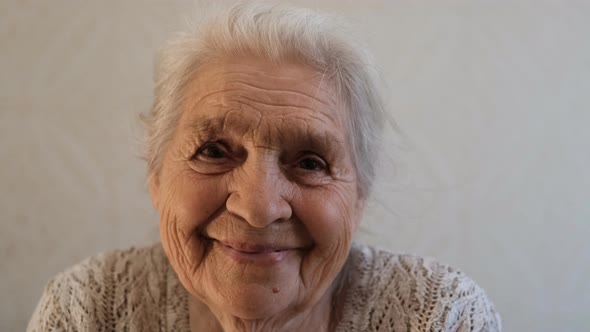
(205, 124)
(214, 128)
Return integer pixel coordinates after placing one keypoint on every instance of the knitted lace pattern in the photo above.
(137, 290)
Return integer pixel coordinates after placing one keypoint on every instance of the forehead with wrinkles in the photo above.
(267, 104)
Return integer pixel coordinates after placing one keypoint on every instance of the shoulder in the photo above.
(108, 290)
(119, 265)
(400, 291)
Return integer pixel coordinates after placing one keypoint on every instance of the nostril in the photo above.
(258, 210)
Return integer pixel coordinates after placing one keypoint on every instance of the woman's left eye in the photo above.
(312, 164)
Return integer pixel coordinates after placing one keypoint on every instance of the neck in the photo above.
(322, 316)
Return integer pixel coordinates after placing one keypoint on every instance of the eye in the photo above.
(214, 158)
(213, 150)
(312, 164)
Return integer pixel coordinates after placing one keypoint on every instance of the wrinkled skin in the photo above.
(260, 161)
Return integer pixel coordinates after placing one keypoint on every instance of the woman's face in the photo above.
(258, 193)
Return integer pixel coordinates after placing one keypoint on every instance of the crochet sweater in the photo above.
(137, 290)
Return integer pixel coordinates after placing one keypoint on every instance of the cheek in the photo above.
(330, 216)
(188, 203)
(193, 199)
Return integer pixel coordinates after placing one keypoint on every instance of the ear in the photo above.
(154, 188)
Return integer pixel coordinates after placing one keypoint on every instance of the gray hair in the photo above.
(274, 33)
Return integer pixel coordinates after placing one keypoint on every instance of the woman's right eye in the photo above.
(214, 157)
(211, 151)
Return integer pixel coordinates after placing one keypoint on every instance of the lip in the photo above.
(253, 248)
(257, 254)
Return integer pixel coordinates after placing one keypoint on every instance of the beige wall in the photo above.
(493, 97)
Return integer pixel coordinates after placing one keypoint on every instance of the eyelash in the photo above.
(217, 145)
(320, 166)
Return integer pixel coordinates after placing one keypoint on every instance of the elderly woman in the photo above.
(261, 149)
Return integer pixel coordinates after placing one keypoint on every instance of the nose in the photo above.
(260, 194)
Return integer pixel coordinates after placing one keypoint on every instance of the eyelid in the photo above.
(218, 144)
(316, 157)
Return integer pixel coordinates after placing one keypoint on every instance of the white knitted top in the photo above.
(137, 290)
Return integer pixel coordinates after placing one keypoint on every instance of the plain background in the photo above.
(492, 176)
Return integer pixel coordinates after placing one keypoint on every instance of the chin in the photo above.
(257, 304)
(252, 288)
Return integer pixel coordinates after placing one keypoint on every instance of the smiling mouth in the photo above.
(250, 253)
(252, 248)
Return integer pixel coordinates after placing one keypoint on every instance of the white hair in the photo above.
(275, 34)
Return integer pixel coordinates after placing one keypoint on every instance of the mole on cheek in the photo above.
(275, 290)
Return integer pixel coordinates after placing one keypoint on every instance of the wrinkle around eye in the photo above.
(310, 177)
(212, 158)
(210, 168)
